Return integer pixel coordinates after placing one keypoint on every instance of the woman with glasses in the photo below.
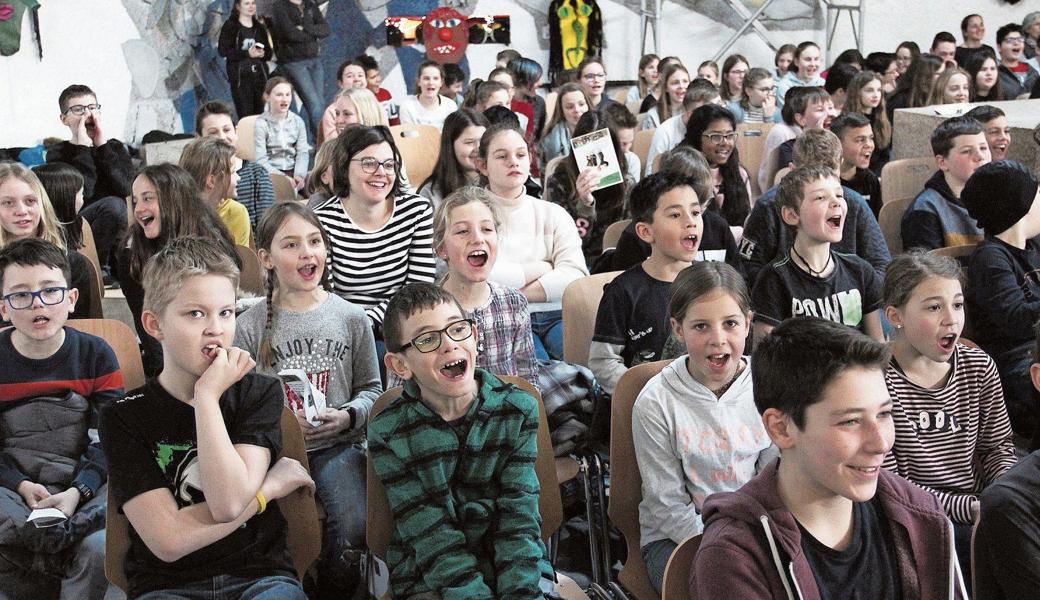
(758, 99)
(886, 65)
(712, 130)
(379, 237)
(906, 53)
(592, 77)
(734, 70)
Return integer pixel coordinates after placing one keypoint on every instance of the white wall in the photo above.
(82, 44)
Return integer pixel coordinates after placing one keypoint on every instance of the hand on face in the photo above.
(227, 367)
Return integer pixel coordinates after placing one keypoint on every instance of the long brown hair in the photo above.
(879, 122)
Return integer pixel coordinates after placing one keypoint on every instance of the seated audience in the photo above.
(673, 83)
(214, 167)
(838, 79)
(984, 78)
(952, 87)
(713, 130)
(915, 85)
(454, 82)
(592, 77)
(806, 106)
(351, 75)
(527, 75)
(571, 104)
(319, 180)
(866, 97)
(734, 70)
(757, 103)
(973, 31)
(672, 131)
(804, 71)
(427, 106)
(213, 120)
(1017, 77)
(456, 163)
(857, 148)
(944, 45)
(353, 106)
(373, 80)
(995, 127)
(280, 135)
(647, 79)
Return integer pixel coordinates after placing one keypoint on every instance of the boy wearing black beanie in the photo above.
(1004, 280)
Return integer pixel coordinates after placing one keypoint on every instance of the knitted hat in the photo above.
(999, 194)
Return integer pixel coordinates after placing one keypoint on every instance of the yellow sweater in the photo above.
(236, 219)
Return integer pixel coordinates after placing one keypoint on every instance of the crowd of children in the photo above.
(816, 416)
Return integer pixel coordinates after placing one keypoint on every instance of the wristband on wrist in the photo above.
(261, 501)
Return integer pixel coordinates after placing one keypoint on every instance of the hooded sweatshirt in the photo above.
(691, 444)
(937, 219)
(752, 545)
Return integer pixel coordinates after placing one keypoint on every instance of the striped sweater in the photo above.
(955, 440)
(463, 495)
(368, 267)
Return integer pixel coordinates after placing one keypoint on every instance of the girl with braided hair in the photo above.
(301, 326)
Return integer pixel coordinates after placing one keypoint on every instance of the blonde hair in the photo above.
(208, 156)
(368, 109)
(322, 161)
(459, 198)
(49, 229)
(180, 260)
(817, 147)
(938, 95)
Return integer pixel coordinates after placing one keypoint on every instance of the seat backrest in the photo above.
(419, 146)
(282, 187)
(641, 144)
(620, 95)
(244, 145)
(676, 582)
(252, 276)
(626, 490)
(751, 141)
(303, 538)
(580, 303)
(89, 249)
(905, 177)
(379, 526)
(613, 233)
(890, 219)
(780, 175)
(633, 107)
(123, 341)
(961, 253)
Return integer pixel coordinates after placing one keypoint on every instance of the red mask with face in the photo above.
(446, 35)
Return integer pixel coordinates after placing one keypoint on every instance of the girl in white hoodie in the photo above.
(695, 426)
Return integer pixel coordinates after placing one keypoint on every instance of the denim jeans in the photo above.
(339, 474)
(308, 77)
(226, 587)
(83, 579)
(655, 557)
(547, 329)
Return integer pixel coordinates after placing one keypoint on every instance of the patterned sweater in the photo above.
(464, 495)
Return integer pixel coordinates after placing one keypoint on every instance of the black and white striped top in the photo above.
(952, 441)
(368, 267)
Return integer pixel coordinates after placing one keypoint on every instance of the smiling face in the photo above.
(470, 244)
(246, 7)
(678, 81)
(352, 76)
(808, 63)
(371, 188)
(466, 146)
(346, 113)
(20, 210)
(1011, 48)
(506, 165)
(969, 152)
(719, 152)
(713, 329)
(447, 372)
(280, 98)
(815, 115)
(220, 127)
(297, 257)
(40, 321)
(846, 434)
(373, 80)
(574, 106)
(821, 213)
(199, 319)
(932, 318)
(975, 29)
(903, 59)
(677, 226)
(998, 137)
(430, 82)
(957, 89)
(870, 95)
(145, 204)
(857, 146)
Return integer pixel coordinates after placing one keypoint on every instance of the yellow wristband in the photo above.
(261, 501)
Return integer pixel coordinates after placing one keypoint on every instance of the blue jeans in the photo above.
(226, 587)
(339, 476)
(308, 77)
(547, 329)
(655, 557)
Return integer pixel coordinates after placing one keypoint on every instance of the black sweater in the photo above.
(297, 29)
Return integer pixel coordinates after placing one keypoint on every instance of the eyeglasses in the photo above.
(370, 165)
(431, 340)
(80, 109)
(767, 90)
(718, 138)
(594, 76)
(1014, 39)
(22, 300)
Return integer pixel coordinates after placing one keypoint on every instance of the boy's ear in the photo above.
(779, 427)
(396, 363)
(71, 296)
(789, 216)
(644, 232)
(151, 324)
(1034, 375)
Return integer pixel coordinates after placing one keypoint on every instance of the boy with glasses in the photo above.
(1016, 76)
(105, 166)
(456, 454)
(54, 381)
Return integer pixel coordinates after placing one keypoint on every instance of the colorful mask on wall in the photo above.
(446, 34)
(443, 26)
(575, 31)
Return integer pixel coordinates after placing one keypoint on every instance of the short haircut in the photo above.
(33, 251)
(526, 71)
(848, 120)
(409, 300)
(180, 260)
(699, 92)
(908, 270)
(453, 74)
(502, 114)
(817, 147)
(213, 107)
(1007, 29)
(944, 134)
(689, 162)
(702, 278)
(71, 92)
(619, 117)
(798, 99)
(790, 192)
(644, 196)
(507, 55)
(343, 65)
(943, 37)
(791, 367)
(984, 113)
(839, 77)
(367, 63)
(352, 141)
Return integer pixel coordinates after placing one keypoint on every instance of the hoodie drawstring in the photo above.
(776, 556)
(956, 577)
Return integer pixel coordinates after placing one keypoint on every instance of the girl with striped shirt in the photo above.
(379, 238)
(953, 437)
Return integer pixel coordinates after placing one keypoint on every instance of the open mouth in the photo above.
(834, 222)
(948, 342)
(145, 220)
(308, 272)
(869, 471)
(210, 350)
(40, 320)
(444, 49)
(477, 258)
(717, 362)
(455, 369)
(689, 243)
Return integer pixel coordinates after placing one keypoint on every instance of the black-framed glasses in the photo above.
(81, 109)
(718, 138)
(594, 76)
(430, 341)
(371, 165)
(767, 90)
(48, 295)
